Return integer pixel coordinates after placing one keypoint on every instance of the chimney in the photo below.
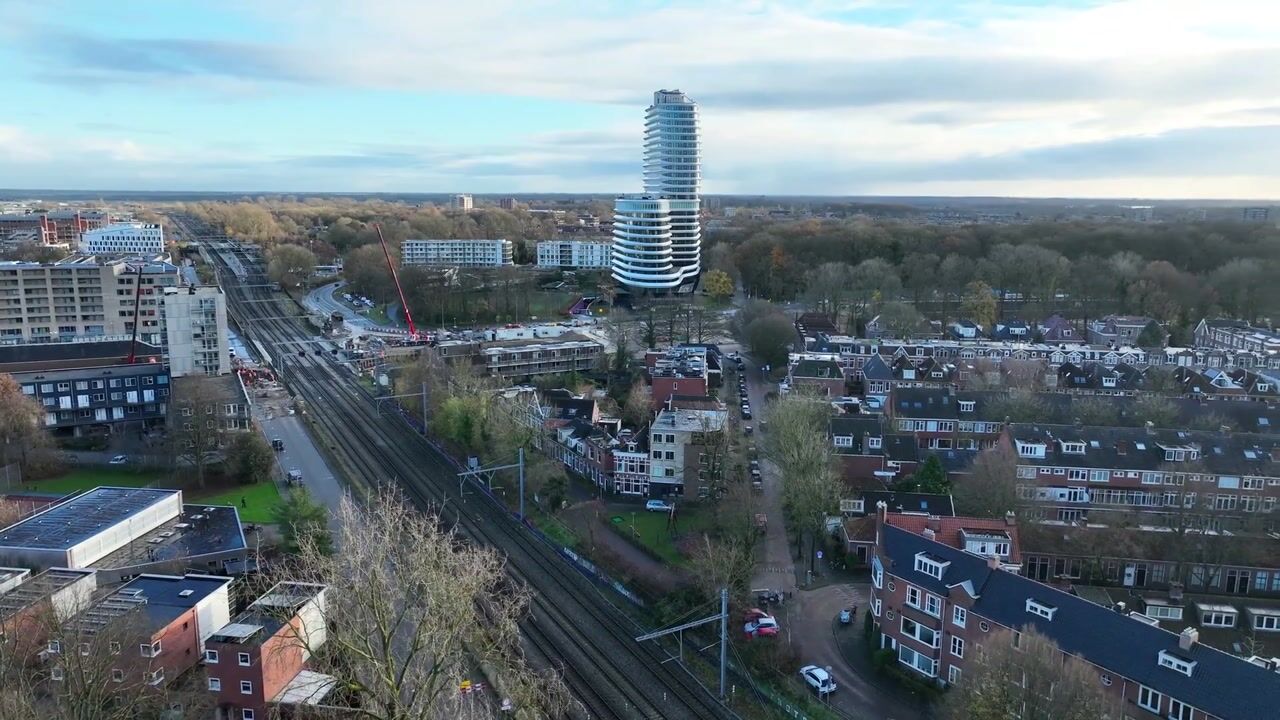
(934, 523)
(1175, 591)
(930, 534)
(1151, 427)
(1120, 607)
(1010, 518)
(993, 562)
(1188, 638)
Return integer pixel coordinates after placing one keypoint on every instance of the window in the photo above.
(1214, 618)
(873, 443)
(84, 649)
(929, 566)
(1164, 612)
(933, 605)
(114, 647)
(244, 659)
(1179, 710)
(154, 677)
(1039, 608)
(957, 646)
(953, 674)
(1268, 623)
(917, 661)
(1149, 699)
(892, 586)
(151, 650)
(875, 606)
(215, 684)
(959, 615)
(966, 406)
(1059, 471)
(55, 647)
(1173, 662)
(117, 675)
(1106, 680)
(984, 626)
(246, 687)
(913, 596)
(56, 674)
(211, 657)
(877, 573)
(246, 714)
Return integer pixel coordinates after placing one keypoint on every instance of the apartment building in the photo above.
(32, 226)
(526, 358)
(1125, 330)
(457, 253)
(682, 443)
(124, 239)
(1236, 335)
(86, 297)
(155, 627)
(693, 370)
(465, 203)
(91, 387)
(935, 606)
(578, 254)
(69, 224)
(256, 662)
(1174, 478)
(30, 601)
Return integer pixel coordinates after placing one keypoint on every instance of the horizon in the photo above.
(1088, 99)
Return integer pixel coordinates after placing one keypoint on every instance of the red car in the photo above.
(763, 627)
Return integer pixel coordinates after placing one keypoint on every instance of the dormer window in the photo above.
(1108, 382)
(1073, 448)
(1038, 608)
(966, 406)
(929, 566)
(1030, 450)
(1173, 662)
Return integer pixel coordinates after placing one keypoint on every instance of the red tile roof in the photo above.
(947, 529)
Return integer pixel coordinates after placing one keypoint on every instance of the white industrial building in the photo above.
(457, 253)
(124, 239)
(584, 254)
(658, 236)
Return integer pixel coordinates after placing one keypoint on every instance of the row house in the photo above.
(1214, 358)
(1234, 383)
(1057, 329)
(823, 377)
(936, 606)
(1117, 330)
(872, 456)
(1093, 378)
(256, 663)
(1013, 330)
(880, 375)
(631, 465)
(1236, 335)
(586, 449)
(1209, 480)
(945, 419)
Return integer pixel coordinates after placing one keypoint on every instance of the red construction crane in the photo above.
(408, 317)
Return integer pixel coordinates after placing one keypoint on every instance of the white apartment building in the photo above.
(124, 239)
(574, 253)
(659, 248)
(457, 253)
(676, 438)
(461, 202)
(86, 298)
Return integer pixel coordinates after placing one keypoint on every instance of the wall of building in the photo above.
(114, 537)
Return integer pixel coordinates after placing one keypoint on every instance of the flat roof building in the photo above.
(592, 254)
(457, 253)
(124, 238)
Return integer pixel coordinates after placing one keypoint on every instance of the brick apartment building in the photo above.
(31, 603)
(258, 659)
(682, 370)
(935, 606)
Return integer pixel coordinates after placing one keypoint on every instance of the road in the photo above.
(807, 615)
(301, 454)
(321, 301)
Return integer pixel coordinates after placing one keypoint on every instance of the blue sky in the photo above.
(1142, 98)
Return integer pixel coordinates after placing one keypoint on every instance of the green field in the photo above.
(259, 500)
(89, 478)
(651, 530)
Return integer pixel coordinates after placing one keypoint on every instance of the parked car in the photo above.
(763, 627)
(846, 616)
(293, 477)
(746, 412)
(766, 597)
(118, 460)
(277, 444)
(818, 679)
(746, 429)
(658, 506)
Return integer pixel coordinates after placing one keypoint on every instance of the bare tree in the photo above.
(20, 428)
(412, 611)
(290, 264)
(797, 444)
(638, 408)
(991, 487)
(1024, 674)
(196, 433)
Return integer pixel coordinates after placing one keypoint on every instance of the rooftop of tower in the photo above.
(663, 97)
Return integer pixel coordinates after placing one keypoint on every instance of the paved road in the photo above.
(321, 300)
(300, 453)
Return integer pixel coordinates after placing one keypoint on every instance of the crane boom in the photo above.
(413, 331)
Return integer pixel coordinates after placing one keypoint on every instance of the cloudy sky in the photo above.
(1132, 98)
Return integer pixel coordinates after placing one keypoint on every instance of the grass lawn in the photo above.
(89, 478)
(651, 529)
(260, 499)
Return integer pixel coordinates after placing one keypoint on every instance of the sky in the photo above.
(1072, 98)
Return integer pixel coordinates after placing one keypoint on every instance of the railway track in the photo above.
(572, 626)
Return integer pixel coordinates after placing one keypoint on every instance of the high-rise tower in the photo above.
(658, 236)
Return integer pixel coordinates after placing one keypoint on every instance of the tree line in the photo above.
(1176, 273)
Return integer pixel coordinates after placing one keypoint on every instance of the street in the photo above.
(301, 454)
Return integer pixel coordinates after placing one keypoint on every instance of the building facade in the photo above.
(935, 606)
(465, 203)
(586, 254)
(124, 239)
(658, 236)
(457, 253)
(195, 327)
(685, 446)
(1236, 335)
